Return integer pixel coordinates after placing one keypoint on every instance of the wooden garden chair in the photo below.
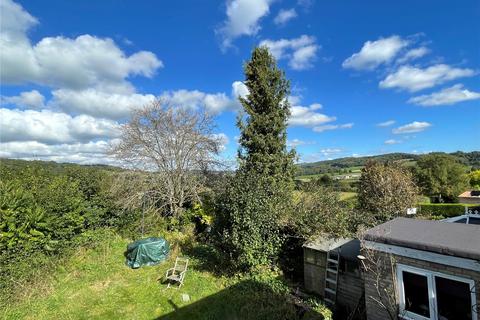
(177, 273)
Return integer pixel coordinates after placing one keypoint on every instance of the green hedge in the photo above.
(446, 210)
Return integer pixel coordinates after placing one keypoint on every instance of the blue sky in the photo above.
(367, 77)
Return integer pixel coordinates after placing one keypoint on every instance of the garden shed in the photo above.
(332, 270)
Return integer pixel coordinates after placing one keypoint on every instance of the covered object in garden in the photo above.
(147, 252)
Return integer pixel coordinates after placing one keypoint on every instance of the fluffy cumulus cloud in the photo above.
(387, 123)
(243, 17)
(414, 78)
(329, 127)
(284, 16)
(413, 54)
(74, 63)
(308, 116)
(416, 126)
(375, 53)
(448, 96)
(92, 152)
(214, 103)
(300, 52)
(52, 127)
(98, 103)
(89, 77)
(26, 99)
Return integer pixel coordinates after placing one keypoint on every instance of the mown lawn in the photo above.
(96, 284)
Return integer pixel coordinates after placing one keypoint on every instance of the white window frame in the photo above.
(430, 275)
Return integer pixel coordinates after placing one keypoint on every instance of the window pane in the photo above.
(416, 293)
(453, 299)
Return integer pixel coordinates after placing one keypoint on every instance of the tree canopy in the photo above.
(441, 176)
(386, 190)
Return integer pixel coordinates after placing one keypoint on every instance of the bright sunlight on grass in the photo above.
(96, 284)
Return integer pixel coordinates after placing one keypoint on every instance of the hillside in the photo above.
(345, 165)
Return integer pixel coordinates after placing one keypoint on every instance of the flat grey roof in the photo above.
(325, 243)
(453, 239)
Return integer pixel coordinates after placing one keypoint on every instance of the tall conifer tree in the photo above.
(260, 193)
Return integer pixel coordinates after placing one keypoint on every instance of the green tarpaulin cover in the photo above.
(147, 252)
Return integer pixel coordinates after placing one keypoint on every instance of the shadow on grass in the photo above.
(245, 300)
(206, 259)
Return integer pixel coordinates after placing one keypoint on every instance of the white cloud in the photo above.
(300, 52)
(65, 62)
(15, 21)
(375, 53)
(243, 17)
(416, 126)
(327, 152)
(83, 153)
(239, 89)
(297, 142)
(386, 123)
(26, 99)
(392, 141)
(214, 103)
(414, 54)
(52, 127)
(446, 96)
(308, 116)
(98, 103)
(222, 139)
(332, 127)
(284, 16)
(414, 79)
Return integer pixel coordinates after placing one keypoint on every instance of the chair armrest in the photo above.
(168, 271)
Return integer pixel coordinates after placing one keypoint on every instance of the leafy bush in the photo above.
(44, 207)
(247, 222)
(386, 190)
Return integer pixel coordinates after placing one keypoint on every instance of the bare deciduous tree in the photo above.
(177, 144)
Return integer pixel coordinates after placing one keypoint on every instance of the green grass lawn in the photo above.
(96, 284)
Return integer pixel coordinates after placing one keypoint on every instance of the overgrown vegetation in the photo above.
(386, 191)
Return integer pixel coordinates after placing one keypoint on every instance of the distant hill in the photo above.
(51, 166)
(344, 164)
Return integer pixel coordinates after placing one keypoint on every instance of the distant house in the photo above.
(405, 268)
(471, 197)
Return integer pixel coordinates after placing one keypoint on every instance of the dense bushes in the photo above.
(443, 209)
(43, 208)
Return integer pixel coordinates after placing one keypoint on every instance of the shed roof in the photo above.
(326, 243)
(454, 239)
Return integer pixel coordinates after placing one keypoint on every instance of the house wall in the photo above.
(385, 277)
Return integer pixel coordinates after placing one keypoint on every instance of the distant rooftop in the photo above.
(454, 239)
(470, 194)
